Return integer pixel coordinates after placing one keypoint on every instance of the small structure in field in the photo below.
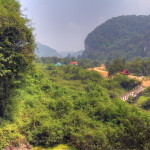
(125, 72)
(58, 64)
(73, 63)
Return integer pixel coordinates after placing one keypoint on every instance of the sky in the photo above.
(64, 24)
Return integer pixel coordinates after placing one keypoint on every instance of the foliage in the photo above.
(146, 92)
(137, 66)
(146, 104)
(135, 132)
(125, 82)
(85, 63)
(123, 36)
(144, 100)
(116, 66)
(8, 133)
(65, 104)
(71, 105)
(16, 50)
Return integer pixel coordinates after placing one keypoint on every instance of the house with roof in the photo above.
(125, 72)
(73, 63)
(58, 64)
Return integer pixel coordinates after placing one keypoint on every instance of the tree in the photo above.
(16, 49)
(116, 66)
(135, 133)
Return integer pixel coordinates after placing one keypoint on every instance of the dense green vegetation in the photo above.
(144, 100)
(86, 63)
(16, 52)
(124, 36)
(137, 66)
(65, 104)
(71, 105)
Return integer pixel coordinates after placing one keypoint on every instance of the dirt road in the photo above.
(102, 70)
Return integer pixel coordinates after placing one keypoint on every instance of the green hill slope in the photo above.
(74, 106)
(124, 36)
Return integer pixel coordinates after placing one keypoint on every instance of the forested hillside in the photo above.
(124, 36)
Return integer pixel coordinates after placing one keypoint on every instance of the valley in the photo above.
(94, 99)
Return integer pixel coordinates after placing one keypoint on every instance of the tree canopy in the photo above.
(137, 66)
(16, 48)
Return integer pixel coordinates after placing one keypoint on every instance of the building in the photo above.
(73, 63)
(58, 64)
(125, 72)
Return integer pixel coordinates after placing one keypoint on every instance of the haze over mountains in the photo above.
(123, 36)
(72, 53)
(46, 51)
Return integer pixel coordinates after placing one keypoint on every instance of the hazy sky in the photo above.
(64, 24)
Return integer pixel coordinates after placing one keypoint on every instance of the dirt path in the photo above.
(102, 70)
(22, 146)
(145, 81)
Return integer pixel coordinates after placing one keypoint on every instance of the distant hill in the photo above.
(66, 53)
(78, 53)
(71, 53)
(124, 36)
(45, 51)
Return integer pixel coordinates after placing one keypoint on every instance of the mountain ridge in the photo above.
(45, 51)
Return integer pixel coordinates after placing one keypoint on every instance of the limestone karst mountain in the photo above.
(124, 36)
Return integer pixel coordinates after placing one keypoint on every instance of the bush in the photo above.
(125, 82)
(9, 135)
(146, 104)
